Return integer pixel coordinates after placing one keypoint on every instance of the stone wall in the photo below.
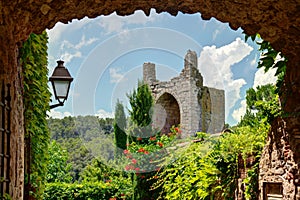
(217, 110)
(185, 100)
(279, 165)
(10, 73)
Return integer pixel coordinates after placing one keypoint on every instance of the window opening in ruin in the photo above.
(272, 191)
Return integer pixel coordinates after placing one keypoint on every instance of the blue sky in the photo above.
(105, 56)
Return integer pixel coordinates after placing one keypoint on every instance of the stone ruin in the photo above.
(184, 100)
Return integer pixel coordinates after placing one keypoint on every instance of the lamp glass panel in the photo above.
(61, 88)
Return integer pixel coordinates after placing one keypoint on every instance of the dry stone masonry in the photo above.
(184, 100)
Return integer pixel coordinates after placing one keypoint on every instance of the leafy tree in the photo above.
(84, 137)
(262, 105)
(98, 171)
(270, 58)
(79, 155)
(58, 169)
(119, 127)
(141, 102)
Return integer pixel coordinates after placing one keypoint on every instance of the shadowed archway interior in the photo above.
(169, 108)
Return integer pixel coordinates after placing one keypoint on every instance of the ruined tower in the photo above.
(184, 100)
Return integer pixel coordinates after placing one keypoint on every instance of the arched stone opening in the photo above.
(167, 112)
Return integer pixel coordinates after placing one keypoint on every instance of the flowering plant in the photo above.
(146, 154)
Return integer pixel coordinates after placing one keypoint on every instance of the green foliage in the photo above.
(144, 158)
(188, 174)
(141, 102)
(97, 171)
(85, 191)
(58, 169)
(79, 135)
(251, 182)
(262, 105)
(208, 169)
(270, 58)
(120, 126)
(36, 97)
(98, 182)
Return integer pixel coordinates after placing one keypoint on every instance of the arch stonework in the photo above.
(276, 21)
(201, 108)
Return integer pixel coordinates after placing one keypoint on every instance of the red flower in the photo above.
(137, 169)
(143, 176)
(160, 144)
(141, 150)
(129, 167)
(133, 161)
(126, 151)
(139, 139)
(113, 198)
(129, 156)
(146, 152)
(152, 138)
(177, 129)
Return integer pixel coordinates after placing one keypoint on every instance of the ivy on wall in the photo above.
(36, 97)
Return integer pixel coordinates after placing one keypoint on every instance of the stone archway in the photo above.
(276, 21)
(167, 106)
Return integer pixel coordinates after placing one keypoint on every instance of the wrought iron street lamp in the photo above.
(61, 81)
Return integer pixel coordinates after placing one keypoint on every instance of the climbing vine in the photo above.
(36, 97)
(270, 58)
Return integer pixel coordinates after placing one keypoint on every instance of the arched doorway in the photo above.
(167, 112)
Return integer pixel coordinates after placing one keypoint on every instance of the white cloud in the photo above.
(57, 114)
(238, 113)
(60, 28)
(55, 33)
(215, 66)
(262, 78)
(254, 61)
(115, 76)
(114, 23)
(215, 34)
(104, 114)
(71, 51)
(124, 36)
(83, 42)
(68, 56)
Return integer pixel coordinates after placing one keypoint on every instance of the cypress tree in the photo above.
(141, 102)
(120, 126)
